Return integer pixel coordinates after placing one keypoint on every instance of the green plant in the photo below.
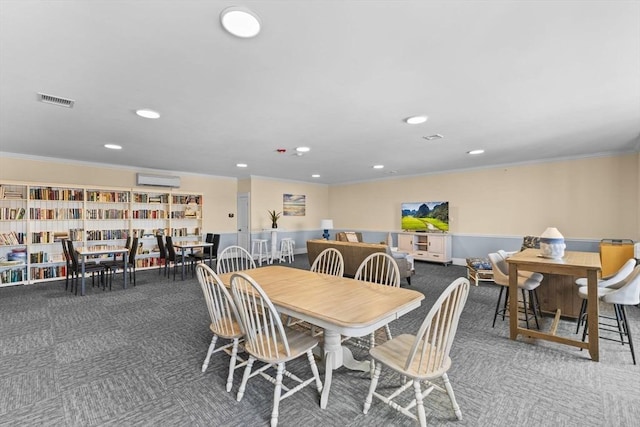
(274, 216)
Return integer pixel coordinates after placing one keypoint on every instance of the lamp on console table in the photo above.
(326, 225)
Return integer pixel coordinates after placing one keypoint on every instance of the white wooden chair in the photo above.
(378, 268)
(268, 341)
(234, 258)
(224, 319)
(329, 261)
(423, 357)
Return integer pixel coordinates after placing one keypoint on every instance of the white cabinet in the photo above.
(434, 247)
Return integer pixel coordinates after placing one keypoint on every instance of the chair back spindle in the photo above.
(379, 268)
(329, 261)
(234, 258)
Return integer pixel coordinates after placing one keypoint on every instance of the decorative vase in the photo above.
(552, 243)
(274, 225)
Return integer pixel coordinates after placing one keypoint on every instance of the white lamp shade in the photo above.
(326, 224)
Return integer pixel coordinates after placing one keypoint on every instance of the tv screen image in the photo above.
(425, 216)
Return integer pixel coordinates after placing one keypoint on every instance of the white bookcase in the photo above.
(435, 247)
(34, 217)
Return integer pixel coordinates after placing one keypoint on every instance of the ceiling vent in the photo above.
(432, 137)
(55, 100)
(158, 180)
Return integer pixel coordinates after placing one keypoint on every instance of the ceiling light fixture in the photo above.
(148, 114)
(113, 146)
(315, 175)
(303, 149)
(472, 152)
(416, 120)
(241, 165)
(378, 166)
(240, 21)
(432, 137)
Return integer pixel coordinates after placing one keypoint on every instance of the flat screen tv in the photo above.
(425, 216)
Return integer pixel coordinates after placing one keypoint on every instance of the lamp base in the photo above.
(325, 235)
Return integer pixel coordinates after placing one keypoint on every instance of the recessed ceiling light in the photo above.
(241, 165)
(113, 146)
(475, 152)
(378, 166)
(240, 21)
(303, 149)
(416, 120)
(148, 114)
(315, 175)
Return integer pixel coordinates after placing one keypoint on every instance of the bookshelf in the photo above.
(35, 217)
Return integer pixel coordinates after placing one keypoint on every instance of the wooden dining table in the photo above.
(342, 306)
(581, 264)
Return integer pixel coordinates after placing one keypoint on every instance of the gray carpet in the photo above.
(133, 357)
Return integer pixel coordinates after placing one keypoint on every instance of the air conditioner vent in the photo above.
(55, 100)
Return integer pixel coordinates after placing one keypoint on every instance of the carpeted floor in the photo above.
(133, 357)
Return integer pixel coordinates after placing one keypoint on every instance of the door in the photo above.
(436, 244)
(244, 233)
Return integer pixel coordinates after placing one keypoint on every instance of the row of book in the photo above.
(149, 214)
(39, 257)
(12, 238)
(107, 234)
(185, 200)
(150, 198)
(107, 196)
(60, 213)
(48, 236)
(183, 231)
(48, 272)
(107, 214)
(49, 193)
(13, 275)
(11, 213)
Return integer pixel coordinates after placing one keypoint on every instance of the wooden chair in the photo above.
(268, 341)
(224, 319)
(378, 268)
(423, 357)
(234, 258)
(330, 262)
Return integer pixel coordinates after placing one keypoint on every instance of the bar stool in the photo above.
(286, 249)
(260, 250)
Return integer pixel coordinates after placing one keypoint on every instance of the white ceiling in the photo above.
(525, 80)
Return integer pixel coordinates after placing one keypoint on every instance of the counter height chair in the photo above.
(173, 257)
(527, 283)
(424, 357)
(114, 266)
(224, 319)
(69, 267)
(89, 267)
(620, 295)
(209, 252)
(268, 341)
(234, 258)
(605, 282)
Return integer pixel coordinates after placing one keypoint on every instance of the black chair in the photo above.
(76, 268)
(208, 253)
(67, 259)
(172, 257)
(131, 263)
(162, 258)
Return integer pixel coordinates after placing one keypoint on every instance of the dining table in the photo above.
(87, 251)
(579, 264)
(183, 246)
(340, 305)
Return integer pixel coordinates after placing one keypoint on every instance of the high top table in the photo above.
(583, 264)
(183, 246)
(340, 305)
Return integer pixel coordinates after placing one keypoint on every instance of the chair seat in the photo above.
(528, 284)
(582, 292)
(394, 354)
(299, 343)
(232, 332)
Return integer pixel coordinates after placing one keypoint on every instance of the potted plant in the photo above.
(274, 218)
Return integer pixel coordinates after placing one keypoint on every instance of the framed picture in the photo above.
(294, 204)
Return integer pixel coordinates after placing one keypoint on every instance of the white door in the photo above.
(436, 244)
(244, 232)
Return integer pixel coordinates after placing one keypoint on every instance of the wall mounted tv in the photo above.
(425, 216)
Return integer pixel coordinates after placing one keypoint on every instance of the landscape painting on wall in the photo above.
(425, 216)
(294, 204)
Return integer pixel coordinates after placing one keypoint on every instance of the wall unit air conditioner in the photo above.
(157, 180)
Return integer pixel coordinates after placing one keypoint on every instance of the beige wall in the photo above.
(219, 193)
(266, 195)
(587, 198)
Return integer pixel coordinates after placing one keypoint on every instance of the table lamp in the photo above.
(326, 225)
